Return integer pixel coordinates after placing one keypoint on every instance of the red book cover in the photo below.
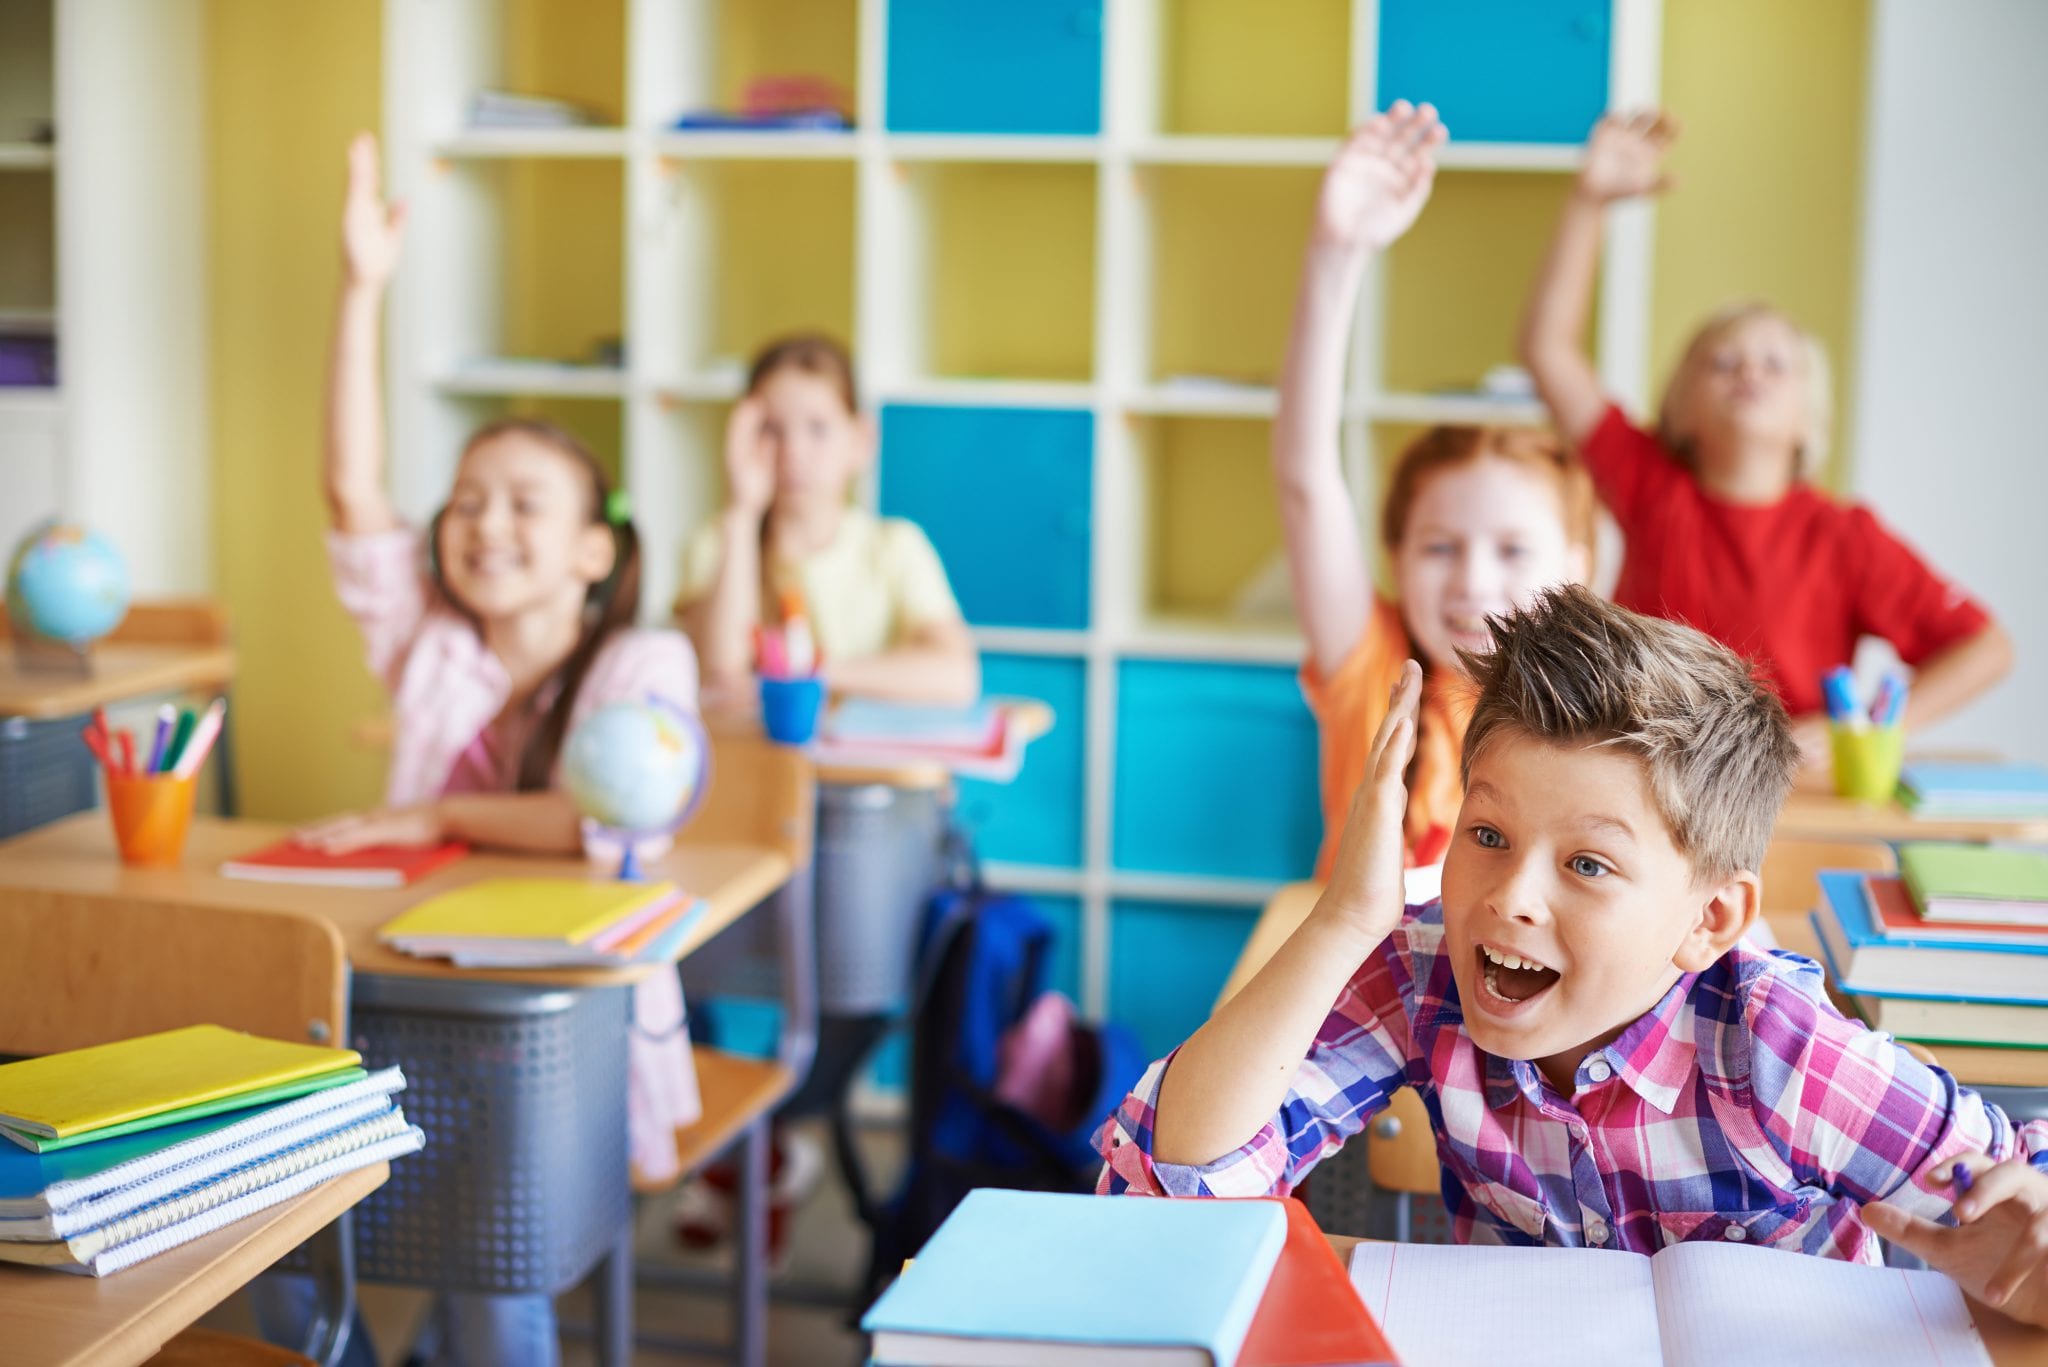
(379, 866)
(1896, 915)
(1311, 1315)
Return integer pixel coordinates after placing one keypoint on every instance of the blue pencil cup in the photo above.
(790, 707)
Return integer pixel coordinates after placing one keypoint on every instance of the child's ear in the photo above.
(597, 550)
(1724, 917)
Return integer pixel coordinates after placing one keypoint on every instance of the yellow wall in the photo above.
(289, 83)
(1770, 163)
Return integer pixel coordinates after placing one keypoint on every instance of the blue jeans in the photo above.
(475, 1331)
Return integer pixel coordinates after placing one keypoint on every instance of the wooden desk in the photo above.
(2011, 1343)
(118, 672)
(53, 1319)
(76, 856)
(1822, 816)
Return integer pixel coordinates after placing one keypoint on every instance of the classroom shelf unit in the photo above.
(1062, 237)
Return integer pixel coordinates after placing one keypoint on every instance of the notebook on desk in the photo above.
(1704, 1304)
(380, 866)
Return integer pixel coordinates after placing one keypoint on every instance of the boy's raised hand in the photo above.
(1365, 886)
(1625, 156)
(1380, 179)
(371, 231)
(749, 460)
(1998, 1250)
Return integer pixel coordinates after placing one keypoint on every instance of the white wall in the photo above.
(1953, 335)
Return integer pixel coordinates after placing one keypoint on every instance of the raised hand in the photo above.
(1380, 179)
(749, 459)
(1625, 156)
(371, 231)
(1366, 878)
(1998, 1250)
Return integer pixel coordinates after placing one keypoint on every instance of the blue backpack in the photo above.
(983, 962)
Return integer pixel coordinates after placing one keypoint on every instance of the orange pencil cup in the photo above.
(151, 812)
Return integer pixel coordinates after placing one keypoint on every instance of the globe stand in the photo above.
(629, 864)
(39, 655)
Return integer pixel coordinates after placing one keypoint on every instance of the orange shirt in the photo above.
(1349, 707)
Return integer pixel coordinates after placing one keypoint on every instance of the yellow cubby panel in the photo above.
(1213, 519)
(28, 240)
(1273, 70)
(782, 253)
(569, 51)
(564, 239)
(1456, 283)
(1012, 271)
(1228, 245)
(782, 38)
(598, 423)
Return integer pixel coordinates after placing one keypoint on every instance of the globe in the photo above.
(636, 767)
(67, 583)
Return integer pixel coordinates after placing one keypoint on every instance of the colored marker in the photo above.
(1838, 687)
(166, 722)
(203, 737)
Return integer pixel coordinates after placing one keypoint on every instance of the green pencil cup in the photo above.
(1867, 760)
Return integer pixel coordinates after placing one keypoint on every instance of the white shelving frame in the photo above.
(673, 389)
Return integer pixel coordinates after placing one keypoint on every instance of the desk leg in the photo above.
(750, 1282)
(614, 1296)
(333, 1254)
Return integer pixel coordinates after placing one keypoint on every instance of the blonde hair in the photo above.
(1448, 447)
(1812, 452)
(1715, 743)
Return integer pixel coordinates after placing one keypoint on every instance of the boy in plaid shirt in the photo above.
(1606, 1060)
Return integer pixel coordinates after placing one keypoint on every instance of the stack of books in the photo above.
(126, 1150)
(981, 741)
(504, 109)
(1954, 950)
(547, 923)
(1038, 1277)
(1974, 792)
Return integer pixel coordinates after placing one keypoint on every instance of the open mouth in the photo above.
(1511, 978)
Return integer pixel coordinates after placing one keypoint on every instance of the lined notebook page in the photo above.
(1724, 1304)
(1534, 1307)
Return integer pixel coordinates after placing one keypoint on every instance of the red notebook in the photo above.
(380, 866)
(1311, 1315)
(1897, 916)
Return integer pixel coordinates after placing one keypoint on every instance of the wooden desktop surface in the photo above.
(58, 1319)
(2010, 1343)
(77, 856)
(1823, 816)
(117, 672)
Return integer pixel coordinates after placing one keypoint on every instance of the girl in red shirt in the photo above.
(1723, 532)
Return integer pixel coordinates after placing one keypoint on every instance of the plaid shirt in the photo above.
(1742, 1107)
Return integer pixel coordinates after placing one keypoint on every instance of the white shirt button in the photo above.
(1735, 1234)
(1598, 1070)
(1596, 1233)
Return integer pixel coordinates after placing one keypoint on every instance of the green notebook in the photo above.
(1985, 883)
(262, 1096)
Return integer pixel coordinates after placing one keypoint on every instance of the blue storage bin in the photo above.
(1499, 70)
(1018, 66)
(1004, 494)
(1167, 962)
(1215, 771)
(1036, 817)
(46, 772)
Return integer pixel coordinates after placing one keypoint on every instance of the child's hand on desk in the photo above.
(1380, 179)
(1626, 156)
(403, 826)
(1365, 878)
(1998, 1251)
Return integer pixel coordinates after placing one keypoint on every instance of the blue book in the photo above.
(1039, 1277)
(1938, 789)
(1865, 960)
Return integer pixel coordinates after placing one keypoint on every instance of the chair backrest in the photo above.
(1791, 881)
(82, 970)
(761, 794)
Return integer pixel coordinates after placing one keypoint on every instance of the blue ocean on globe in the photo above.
(67, 583)
(635, 766)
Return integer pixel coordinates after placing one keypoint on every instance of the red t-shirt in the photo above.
(1793, 585)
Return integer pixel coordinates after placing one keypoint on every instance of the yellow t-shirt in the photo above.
(876, 581)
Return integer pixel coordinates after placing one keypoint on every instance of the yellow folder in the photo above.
(567, 909)
(59, 1095)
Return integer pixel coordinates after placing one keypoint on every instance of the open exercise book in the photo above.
(1691, 1305)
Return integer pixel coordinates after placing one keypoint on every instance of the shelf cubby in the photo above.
(1211, 522)
(1500, 71)
(1223, 68)
(1036, 818)
(692, 56)
(1167, 962)
(994, 69)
